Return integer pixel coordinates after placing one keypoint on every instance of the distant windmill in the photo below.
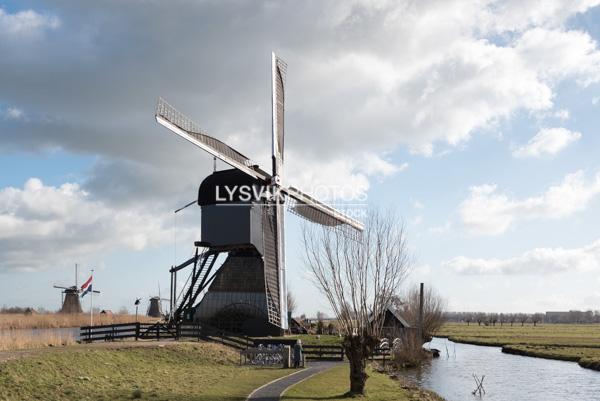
(70, 297)
(155, 306)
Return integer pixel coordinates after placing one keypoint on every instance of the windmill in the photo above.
(155, 305)
(70, 297)
(243, 218)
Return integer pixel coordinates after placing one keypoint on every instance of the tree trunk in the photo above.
(358, 376)
(358, 349)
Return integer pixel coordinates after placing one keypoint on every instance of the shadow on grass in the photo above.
(347, 395)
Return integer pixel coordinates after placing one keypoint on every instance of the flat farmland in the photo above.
(570, 342)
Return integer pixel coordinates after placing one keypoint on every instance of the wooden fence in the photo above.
(323, 352)
(161, 331)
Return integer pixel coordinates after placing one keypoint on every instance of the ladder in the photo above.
(198, 280)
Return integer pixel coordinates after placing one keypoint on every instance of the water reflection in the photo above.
(507, 377)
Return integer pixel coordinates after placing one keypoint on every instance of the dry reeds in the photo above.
(20, 339)
(61, 320)
(408, 349)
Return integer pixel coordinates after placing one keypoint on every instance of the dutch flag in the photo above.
(86, 287)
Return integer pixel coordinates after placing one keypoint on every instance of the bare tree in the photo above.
(523, 318)
(358, 276)
(320, 324)
(433, 309)
(468, 318)
(537, 318)
(291, 301)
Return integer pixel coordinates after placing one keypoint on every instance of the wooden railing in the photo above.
(324, 352)
(161, 331)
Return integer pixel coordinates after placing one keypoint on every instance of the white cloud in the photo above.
(13, 113)
(417, 205)
(562, 114)
(438, 230)
(372, 164)
(417, 220)
(548, 141)
(536, 261)
(596, 100)
(43, 225)
(341, 179)
(487, 211)
(559, 54)
(26, 23)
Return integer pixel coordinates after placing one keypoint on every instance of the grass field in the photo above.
(332, 385)
(571, 342)
(313, 339)
(9, 321)
(192, 371)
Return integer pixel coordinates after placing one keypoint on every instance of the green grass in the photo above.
(202, 372)
(333, 385)
(311, 339)
(570, 342)
(586, 357)
(566, 335)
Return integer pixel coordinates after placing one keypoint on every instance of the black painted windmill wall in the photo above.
(237, 282)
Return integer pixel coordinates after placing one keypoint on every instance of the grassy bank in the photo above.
(585, 357)
(198, 371)
(568, 342)
(11, 321)
(333, 384)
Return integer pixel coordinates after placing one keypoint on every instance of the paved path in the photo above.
(272, 391)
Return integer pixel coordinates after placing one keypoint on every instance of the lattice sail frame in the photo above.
(183, 126)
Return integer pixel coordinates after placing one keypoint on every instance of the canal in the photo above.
(507, 377)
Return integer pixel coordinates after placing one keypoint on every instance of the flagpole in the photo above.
(92, 300)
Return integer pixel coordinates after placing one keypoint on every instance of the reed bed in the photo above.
(60, 320)
(11, 340)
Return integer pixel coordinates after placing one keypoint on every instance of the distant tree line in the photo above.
(500, 319)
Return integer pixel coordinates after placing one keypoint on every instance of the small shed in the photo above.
(393, 322)
(106, 312)
(296, 327)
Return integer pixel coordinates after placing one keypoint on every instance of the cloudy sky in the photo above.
(476, 120)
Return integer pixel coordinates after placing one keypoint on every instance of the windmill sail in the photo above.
(183, 126)
(278, 109)
(319, 212)
(278, 73)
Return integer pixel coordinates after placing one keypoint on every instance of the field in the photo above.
(182, 371)
(571, 342)
(313, 339)
(333, 385)
(9, 321)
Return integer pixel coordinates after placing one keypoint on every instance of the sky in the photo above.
(476, 121)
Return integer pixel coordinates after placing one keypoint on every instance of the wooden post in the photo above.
(420, 324)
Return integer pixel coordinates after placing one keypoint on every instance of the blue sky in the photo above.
(477, 123)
